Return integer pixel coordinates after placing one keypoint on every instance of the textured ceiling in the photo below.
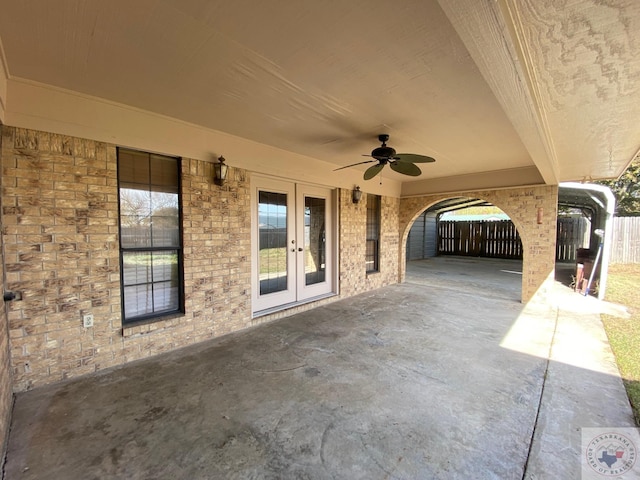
(480, 85)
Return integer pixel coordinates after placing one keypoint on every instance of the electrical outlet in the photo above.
(87, 320)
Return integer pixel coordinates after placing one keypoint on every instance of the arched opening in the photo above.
(465, 243)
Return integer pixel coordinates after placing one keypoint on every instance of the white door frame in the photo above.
(296, 290)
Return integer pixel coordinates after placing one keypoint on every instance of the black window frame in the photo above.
(180, 307)
(373, 227)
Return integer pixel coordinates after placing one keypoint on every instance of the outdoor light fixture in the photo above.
(357, 194)
(540, 215)
(220, 171)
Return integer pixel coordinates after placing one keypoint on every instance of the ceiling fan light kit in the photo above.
(403, 163)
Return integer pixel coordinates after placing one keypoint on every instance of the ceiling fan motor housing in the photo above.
(383, 153)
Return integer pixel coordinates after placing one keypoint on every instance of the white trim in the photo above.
(475, 190)
(508, 178)
(46, 108)
(4, 79)
(491, 32)
(287, 295)
(296, 292)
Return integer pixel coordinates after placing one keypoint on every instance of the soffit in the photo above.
(583, 69)
(322, 79)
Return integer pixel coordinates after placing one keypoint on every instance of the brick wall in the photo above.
(61, 234)
(521, 204)
(353, 221)
(60, 205)
(6, 387)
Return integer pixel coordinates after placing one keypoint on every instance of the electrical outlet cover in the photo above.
(87, 320)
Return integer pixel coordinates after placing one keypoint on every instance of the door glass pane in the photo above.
(315, 251)
(272, 243)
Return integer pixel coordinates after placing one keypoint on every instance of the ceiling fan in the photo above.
(403, 163)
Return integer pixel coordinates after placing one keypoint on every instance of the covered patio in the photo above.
(171, 315)
(443, 376)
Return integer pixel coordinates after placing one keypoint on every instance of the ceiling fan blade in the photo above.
(406, 168)
(413, 158)
(373, 171)
(354, 164)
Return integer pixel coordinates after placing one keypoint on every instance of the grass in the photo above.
(144, 259)
(624, 333)
(273, 260)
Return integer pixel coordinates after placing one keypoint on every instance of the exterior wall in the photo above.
(60, 230)
(522, 206)
(60, 205)
(6, 387)
(353, 222)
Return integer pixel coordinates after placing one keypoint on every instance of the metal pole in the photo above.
(600, 233)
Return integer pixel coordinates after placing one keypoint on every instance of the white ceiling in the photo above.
(525, 90)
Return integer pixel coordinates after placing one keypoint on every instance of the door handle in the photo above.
(299, 249)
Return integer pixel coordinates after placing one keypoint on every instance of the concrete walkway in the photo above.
(442, 377)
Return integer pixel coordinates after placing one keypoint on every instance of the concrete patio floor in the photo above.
(446, 376)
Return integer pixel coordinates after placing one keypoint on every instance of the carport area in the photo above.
(442, 376)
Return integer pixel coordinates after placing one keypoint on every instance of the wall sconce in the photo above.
(220, 171)
(540, 215)
(356, 195)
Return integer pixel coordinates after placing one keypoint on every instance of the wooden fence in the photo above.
(273, 238)
(501, 240)
(143, 236)
(625, 243)
(572, 233)
(493, 239)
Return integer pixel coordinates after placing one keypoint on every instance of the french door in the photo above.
(292, 245)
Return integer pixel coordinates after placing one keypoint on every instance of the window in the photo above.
(150, 240)
(372, 255)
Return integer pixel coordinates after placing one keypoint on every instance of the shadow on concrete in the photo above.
(566, 273)
(430, 380)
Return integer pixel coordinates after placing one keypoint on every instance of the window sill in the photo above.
(151, 325)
